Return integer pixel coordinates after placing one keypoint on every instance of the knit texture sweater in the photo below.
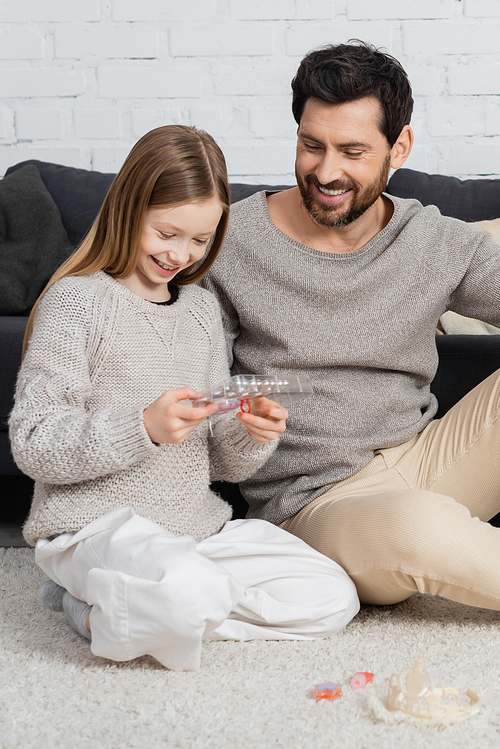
(98, 356)
(361, 325)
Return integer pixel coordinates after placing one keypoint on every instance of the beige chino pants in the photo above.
(414, 519)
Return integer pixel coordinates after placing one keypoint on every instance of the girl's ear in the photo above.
(402, 147)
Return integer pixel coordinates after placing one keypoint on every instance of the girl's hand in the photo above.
(169, 422)
(266, 421)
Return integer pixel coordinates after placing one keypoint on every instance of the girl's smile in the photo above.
(163, 266)
(172, 239)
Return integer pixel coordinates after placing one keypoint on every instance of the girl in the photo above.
(142, 556)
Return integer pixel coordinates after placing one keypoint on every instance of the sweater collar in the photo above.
(141, 304)
(404, 210)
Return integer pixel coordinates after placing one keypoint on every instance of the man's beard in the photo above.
(330, 215)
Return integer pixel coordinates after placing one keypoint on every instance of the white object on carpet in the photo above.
(255, 695)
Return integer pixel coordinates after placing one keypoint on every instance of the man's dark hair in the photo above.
(341, 73)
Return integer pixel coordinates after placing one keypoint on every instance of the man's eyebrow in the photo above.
(350, 144)
(354, 144)
(303, 134)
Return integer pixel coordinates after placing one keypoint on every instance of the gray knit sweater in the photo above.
(98, 356)
(361, 325)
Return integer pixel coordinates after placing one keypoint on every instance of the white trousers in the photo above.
(155, 593)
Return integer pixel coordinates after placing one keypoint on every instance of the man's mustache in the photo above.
(337, 184)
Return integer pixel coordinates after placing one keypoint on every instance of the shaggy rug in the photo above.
(55, 694)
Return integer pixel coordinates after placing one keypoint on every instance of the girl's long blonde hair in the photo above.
(167, 167)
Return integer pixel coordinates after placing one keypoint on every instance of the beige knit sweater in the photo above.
(98, 356)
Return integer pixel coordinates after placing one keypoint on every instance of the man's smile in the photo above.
(331, 192)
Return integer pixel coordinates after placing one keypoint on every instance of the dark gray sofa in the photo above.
(463, 360)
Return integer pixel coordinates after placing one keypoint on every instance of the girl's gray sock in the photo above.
(51, 595)
(77, 612)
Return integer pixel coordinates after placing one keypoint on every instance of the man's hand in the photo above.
(266, 421)
(169, 422)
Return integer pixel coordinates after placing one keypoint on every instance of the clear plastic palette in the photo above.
(240, 390)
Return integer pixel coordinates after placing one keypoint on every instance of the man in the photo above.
(336, 280)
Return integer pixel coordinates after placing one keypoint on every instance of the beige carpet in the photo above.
(55, 694)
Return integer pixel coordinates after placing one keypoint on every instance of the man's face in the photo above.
(343, 160)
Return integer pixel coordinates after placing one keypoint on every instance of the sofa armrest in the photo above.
(11, 340)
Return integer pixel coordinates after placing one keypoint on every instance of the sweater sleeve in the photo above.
(53, 436)
(478, 293)
(234, 454)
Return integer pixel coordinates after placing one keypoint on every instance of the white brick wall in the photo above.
(97, 123)
(80, 81)
(106, 41)
(21, 44)
(372, 9)
(164, 11)
(39, 124)
(24, 11)
(252, 40)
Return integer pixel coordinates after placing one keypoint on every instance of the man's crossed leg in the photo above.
(415, 518)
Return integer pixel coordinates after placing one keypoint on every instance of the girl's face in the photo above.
(172, 239)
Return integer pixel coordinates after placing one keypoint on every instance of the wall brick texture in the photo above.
(80, 82)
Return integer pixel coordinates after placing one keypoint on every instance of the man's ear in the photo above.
(402, 147)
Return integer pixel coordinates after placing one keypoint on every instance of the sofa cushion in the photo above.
(78, 193)
(469, 200)
(492, 226)
(239, 191)
(33, 242)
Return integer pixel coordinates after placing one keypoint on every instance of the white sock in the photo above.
(77, 612)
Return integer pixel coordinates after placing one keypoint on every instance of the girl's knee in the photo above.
(335, 601)
(348, 596)
(341, 605)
